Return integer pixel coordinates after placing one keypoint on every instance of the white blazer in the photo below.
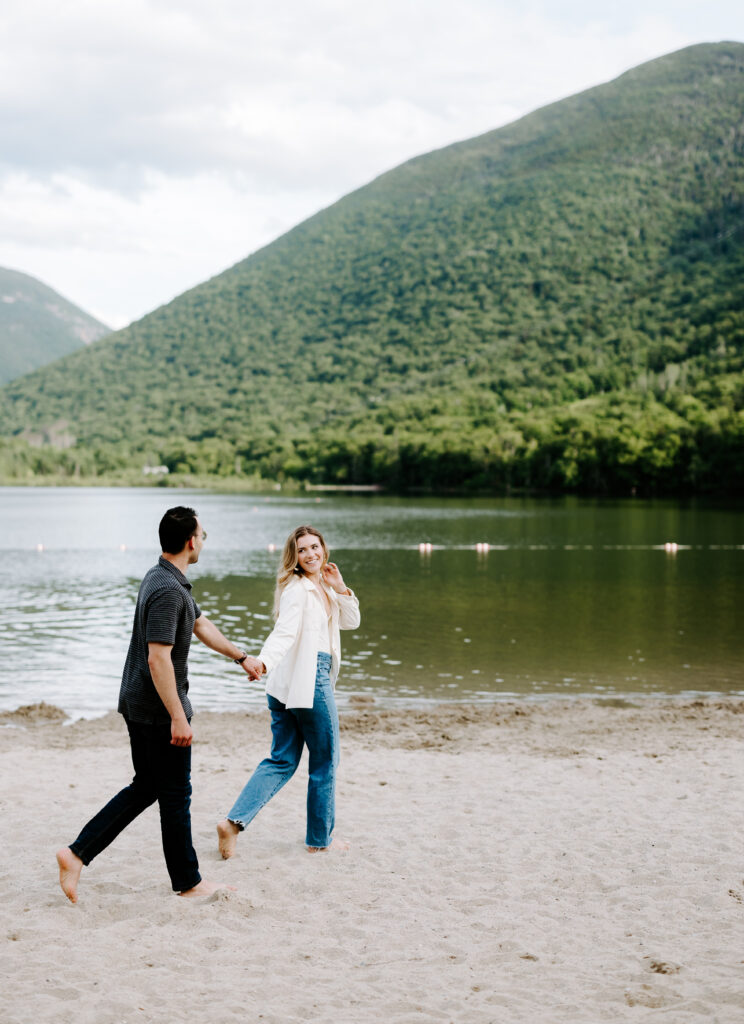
(290, 652)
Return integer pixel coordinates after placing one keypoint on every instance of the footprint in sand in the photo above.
(68, 994)
(645, 996)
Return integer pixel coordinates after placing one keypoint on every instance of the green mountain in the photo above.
(556, 304)
(38, 326)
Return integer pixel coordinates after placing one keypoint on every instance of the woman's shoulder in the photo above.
(292, 590)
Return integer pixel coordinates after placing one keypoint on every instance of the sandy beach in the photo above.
(566, 861)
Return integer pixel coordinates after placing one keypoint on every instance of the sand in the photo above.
(568, 861)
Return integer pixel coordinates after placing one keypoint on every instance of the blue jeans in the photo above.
(291, 729)
(161, 772)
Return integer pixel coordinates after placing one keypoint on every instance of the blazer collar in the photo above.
(310, 587)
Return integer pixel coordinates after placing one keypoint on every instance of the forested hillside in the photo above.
(37, 325)
(557, 304)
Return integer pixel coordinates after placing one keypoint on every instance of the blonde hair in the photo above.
(289, 567)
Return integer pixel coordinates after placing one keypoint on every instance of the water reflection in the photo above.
(570, 598)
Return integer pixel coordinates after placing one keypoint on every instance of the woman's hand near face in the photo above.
(332, 576)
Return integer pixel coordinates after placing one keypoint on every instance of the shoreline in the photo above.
(549, 726)
(293, 488)
(380, 710)
(568, 862)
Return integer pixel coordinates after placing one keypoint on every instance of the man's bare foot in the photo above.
(205, 888)
(337, 846)
(227, 837)
(70, 867)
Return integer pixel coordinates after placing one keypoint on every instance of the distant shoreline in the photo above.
(294, 488)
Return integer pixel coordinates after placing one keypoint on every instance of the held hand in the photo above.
(332, 576)
(181, 734)
(253, 668)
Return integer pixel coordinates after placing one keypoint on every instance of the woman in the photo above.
(301, 658)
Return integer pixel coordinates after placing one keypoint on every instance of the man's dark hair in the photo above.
(176, 528)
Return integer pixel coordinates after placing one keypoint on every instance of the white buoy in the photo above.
(122, 547)
(425, 548)
(272, 547)
(671, 547)
(482, 548)
(39, 547)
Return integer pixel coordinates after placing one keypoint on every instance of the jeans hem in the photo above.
(185, 888)
(74, 848)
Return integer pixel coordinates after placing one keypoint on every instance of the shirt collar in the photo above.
(310, 587)
(308, 584)
(176, 572)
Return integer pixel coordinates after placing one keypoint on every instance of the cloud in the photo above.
(119, 255)
(110, 90)
(130, 130)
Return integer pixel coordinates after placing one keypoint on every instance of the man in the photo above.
(154, 702)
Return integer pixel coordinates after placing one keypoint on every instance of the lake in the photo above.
(572, 596)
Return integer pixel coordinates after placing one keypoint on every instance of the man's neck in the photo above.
(181, 560)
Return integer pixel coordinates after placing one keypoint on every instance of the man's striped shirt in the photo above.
(165, 614)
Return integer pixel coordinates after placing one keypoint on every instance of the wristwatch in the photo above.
(239, 661)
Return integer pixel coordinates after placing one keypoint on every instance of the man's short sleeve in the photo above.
(197, 610)
(163, 612)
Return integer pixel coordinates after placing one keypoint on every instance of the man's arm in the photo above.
(208, 633)
(163, 676)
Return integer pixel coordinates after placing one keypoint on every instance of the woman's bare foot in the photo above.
(337, 846)
(227, 837)
(205, 888)
(70, 867)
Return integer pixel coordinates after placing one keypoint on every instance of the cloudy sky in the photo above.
(146, 146)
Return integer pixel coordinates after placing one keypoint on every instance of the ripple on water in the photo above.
(572, 597)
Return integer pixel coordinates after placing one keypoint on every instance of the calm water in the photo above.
(573, 596)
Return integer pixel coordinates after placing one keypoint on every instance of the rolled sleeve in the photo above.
(287, 627)
(349, 616)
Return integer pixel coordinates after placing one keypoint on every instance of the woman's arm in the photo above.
(348, 611)
(287, 627)
(348, 604)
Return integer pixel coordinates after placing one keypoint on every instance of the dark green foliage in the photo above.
(558, 304)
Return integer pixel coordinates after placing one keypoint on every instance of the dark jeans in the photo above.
(161, 772)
